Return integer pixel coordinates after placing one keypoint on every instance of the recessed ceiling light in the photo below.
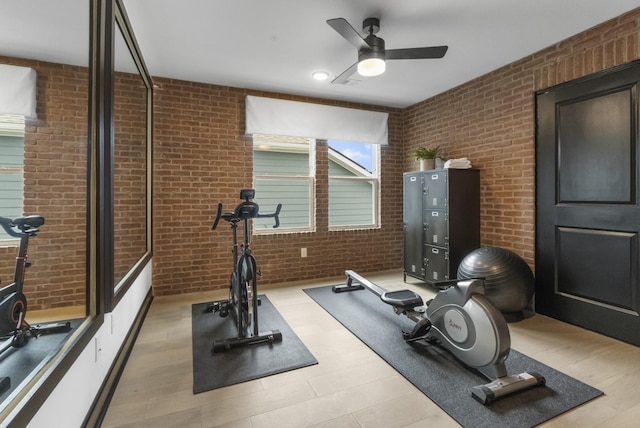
(320, 75)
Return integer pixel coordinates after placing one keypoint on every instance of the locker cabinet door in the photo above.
(413, 225)
(436, 231)
(437, 264)
(435, 194)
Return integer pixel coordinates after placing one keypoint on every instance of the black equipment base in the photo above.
(346, 287)
(244, 363)
(267, 337)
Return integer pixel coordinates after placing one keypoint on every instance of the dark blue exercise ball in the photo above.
(508, 280)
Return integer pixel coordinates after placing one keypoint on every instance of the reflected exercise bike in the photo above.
(15, 331)
(461, 320)
(243, 299)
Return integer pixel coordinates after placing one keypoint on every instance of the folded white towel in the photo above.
(460, 163)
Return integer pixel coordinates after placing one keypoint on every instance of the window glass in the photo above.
(353, 185)
(11, 167)
(284, 174)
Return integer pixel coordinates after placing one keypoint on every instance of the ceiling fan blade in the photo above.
(344, 77)
(348, 32)
(417, 53)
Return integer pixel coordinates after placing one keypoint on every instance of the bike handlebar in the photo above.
(275, 215)
(8, 226)
(217, 219)
(233, 217)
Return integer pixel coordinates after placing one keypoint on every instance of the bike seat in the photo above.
(30, 221)
(404, 299)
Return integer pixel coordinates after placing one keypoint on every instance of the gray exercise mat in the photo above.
(19, 363)
(211, 371)
(441, 377)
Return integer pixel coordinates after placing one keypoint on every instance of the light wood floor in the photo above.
(351, 387)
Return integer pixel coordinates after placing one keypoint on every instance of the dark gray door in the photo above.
(587, 212)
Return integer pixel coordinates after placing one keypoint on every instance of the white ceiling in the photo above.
(275, 45)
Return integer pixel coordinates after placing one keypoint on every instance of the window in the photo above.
(284, 171)
(353, 185)
(11, 167)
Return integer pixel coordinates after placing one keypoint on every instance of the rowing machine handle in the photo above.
(218, 215)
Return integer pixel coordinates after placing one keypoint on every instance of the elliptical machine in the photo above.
(15, 331)
(463, 321)
(243, 298)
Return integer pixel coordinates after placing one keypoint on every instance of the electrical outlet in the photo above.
(98, 347)
(303, 252)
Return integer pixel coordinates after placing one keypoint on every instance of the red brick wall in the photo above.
(491, 120)
(201, 158)
(55, 179)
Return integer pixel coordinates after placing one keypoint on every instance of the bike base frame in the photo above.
(267, 337)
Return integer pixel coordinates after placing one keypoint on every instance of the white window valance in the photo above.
(292, 118)
(18, 91)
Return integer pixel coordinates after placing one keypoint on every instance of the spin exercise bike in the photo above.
(15, 331)
(243, 298)
(463, 321)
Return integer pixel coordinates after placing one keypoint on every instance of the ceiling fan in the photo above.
(371, 52)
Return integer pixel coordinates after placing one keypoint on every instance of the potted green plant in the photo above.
(427, 157)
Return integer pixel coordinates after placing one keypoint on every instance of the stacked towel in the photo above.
(460, 163)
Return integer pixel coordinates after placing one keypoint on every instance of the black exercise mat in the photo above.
(441, 377)
(19, 363)
(211, 371)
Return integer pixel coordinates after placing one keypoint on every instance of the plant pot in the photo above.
(426, 164)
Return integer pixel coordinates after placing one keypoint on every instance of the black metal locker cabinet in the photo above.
(441, 222)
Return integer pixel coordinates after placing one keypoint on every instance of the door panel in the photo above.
(577, 274)
(587, 214)
(594, 149)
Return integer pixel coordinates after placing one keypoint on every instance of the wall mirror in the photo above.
(96, 232)
(132, 157)
(49, 176)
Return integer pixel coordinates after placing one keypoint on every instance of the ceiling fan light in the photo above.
(371, 67)
(320, 75)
